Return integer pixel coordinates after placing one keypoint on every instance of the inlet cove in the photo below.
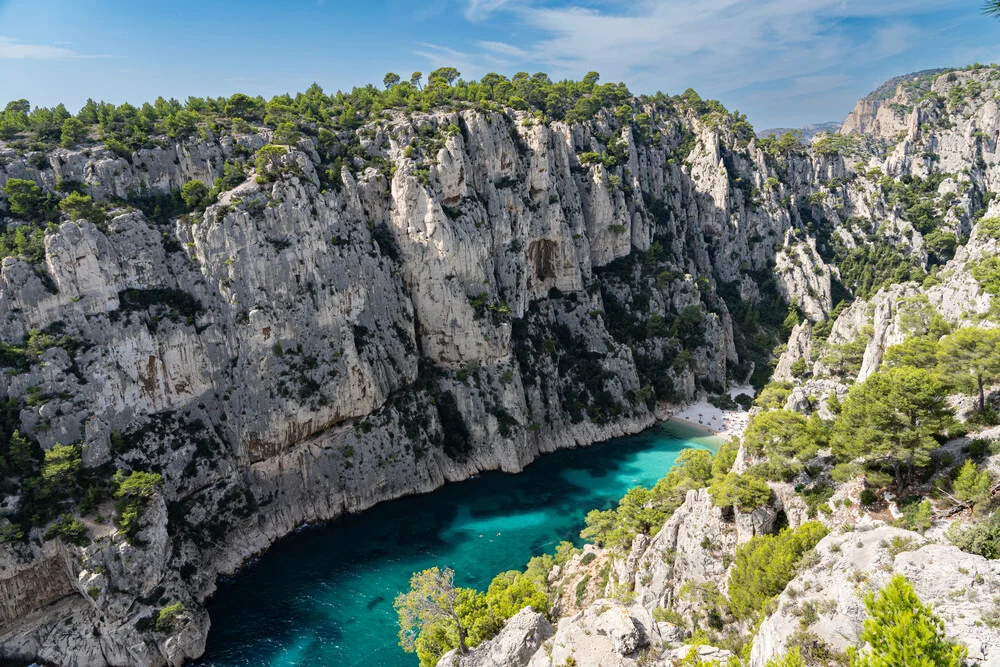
(324, 595)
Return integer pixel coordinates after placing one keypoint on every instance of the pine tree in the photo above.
(903, 632)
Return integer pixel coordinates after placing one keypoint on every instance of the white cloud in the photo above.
(720, 44)
(477, 10)
(503, 48)
(12, 49)
(798, 50)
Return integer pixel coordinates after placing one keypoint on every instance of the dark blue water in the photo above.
(323, 596)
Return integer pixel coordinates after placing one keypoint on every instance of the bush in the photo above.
(77, 206)
(196, 195)
(167, 616)
(265, 163)
(133, 493)
(26, 200)
(901, 630)
(744, 492)
(723, 401)
(70, 530)
(868, 497)
(765, 565)
(61, 467)
(972, 484)
(982, 539)
(774, 395)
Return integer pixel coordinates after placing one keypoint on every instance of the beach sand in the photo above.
(723, 423)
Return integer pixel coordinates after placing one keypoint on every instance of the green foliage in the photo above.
(435, 616)
(133, 493)
(989, 228)
(970, 359)
(232, 175)
(764, 566)
(891, 419)
(916, 514)
(845, 359)
(267, 163)
(785, 434)
(792, 319)
(972, 484)
(867, 269)
(987, 273)
(916, 352)
(287, 134)
(73, 132)
(61, 467)
(836, 144)
(431, 603)
(981, 538)
(644, 510)
(70, 530)
(774, 395)
(196, 195)
(744, 492)
(791, 659)
(168, 616)
(901, 630)
(27, 201)
(787, 143)
(77, 206)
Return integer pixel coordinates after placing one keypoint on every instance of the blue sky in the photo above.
(782, 62)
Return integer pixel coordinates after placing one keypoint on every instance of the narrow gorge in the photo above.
(224, 320)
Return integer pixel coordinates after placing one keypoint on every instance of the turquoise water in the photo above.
(323, 596)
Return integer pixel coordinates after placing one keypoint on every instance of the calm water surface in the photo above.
(323, 596)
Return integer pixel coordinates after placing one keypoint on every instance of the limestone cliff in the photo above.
(463, 290)
(313, 343)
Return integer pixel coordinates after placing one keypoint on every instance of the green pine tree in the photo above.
(903, 632)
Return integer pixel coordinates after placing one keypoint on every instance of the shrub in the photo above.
(774, 395)
(26, 200)
(69, 529)
(972, 484)
(744, 492)
(133, 493)
(167, 616)
(791, 659)
(765, 565)
(78, 206)
(265, 162)
(868, 497)
(982, 539)
(61, 467)
(901, 630)
(73, 132)
(196, 195)
(723, 401)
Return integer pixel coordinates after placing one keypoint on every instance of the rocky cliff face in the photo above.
(869, 222)
(313, 344)
(471, 289)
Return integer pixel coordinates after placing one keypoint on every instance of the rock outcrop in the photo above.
(826, 599)
(521, 637)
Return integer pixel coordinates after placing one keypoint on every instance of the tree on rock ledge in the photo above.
(891, 419)
(433, 599)
(903, 632)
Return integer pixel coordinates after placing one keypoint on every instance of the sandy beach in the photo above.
(723, 423)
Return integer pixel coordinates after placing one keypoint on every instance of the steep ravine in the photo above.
(472, 289)
(296, 352)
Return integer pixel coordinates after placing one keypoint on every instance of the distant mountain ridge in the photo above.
(808, 132)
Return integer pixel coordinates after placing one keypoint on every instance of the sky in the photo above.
(785, 63)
